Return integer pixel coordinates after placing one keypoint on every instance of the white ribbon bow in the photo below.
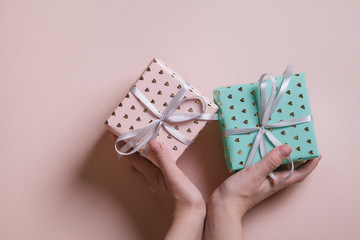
(266, 109)
(141, 137)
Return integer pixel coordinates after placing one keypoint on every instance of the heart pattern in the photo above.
(159, 84)
(238, 107)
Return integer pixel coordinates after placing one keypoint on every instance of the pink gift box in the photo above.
(159, 84)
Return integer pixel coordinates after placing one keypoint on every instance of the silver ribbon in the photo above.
(266, 109)
(139, 138)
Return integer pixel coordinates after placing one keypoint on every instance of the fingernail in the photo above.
(285, 150)
(155, 146)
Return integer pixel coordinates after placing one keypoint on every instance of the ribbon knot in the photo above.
(139, 138)
(266, 109)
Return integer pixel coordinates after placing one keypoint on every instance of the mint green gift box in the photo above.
(239, 108)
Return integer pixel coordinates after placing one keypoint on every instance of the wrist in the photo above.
(190, 212)
(187, 223)
(226, 206)
(223, 219)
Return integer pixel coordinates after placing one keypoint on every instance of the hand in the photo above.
(244, 189)
(176, 191)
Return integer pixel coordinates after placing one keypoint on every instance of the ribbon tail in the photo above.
(126, 136)
(140, 134)
(145, 152)
(136, 148)
(262, 147)
(178, 135)
(254, 148)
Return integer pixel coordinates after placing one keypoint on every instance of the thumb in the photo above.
(272, 160)
(164, 159)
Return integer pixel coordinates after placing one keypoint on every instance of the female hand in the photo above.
(244, 189)
(176, 191)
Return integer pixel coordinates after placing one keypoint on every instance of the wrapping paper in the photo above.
(158, 83)
(238, 107)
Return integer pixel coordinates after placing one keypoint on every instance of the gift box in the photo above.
(240, 111)
(162, 105)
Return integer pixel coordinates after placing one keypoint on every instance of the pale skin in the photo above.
(221, 216)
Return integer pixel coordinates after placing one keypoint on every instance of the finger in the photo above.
(271, 161)
(287, 166)
(304, 170)
(152, 173)
(149, 172)
(283, 167)
(164, 160)
(298, 164)
(299, 175)
(137, 174)
(113, 136)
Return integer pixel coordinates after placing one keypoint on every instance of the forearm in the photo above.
(223, 221)
(187, 225)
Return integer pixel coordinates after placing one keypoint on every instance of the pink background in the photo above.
(64, 65)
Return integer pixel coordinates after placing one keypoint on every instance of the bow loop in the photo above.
(176, 101)
(265, 107)
(181, 117)
(139, 138)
